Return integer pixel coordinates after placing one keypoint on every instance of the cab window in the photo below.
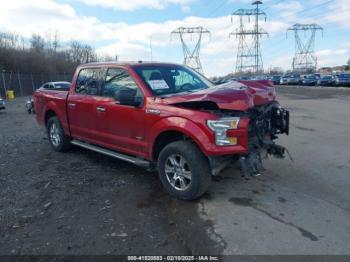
(117, 79)
(88, 81)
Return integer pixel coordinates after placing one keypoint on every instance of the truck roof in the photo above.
(128, 63)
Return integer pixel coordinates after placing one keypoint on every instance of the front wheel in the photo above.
(183, 170)
(58, 139)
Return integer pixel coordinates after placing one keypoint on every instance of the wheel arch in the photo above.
(165, 138)
(176, 129)
(48, 114)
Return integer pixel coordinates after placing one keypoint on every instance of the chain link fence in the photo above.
(24, 84)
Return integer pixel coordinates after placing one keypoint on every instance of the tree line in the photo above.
(39, 55)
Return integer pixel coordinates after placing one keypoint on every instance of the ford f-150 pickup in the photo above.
(167, 118)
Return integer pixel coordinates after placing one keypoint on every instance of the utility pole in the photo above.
(151, 48)
(191, 55)
(4, 83)
(249, 58)
(304, 60)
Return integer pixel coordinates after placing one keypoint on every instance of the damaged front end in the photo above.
(249, 121)
(266, 122)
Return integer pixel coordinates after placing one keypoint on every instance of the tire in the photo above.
(195, 165)
(58, 139)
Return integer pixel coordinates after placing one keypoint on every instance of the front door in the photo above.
(121, 127)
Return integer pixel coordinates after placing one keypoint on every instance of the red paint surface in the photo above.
(133, 131)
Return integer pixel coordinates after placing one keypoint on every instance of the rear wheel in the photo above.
(58, 139)
(183, 170)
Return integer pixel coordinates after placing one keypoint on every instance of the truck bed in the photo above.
(55, 99)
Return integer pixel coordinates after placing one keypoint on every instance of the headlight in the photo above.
(220, 127)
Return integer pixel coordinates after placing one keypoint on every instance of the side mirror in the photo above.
(127, 96)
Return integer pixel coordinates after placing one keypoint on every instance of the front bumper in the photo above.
(261, 129)
(267, 123)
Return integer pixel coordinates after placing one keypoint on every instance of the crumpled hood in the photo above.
(238, 96)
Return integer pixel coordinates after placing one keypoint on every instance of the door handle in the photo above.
(101, 109)
(71, 105)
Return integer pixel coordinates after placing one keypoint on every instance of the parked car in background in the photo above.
(2, 104)
(217, 81)
(276, 80)
(318, 75)
(224, 80)
(284, 80)
(326, 80)
(343, 80)
(233, 79)
(294, 80)
(259, 77)
(63, 85)
(310, 80)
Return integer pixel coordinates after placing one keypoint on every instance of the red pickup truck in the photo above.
(165, 117)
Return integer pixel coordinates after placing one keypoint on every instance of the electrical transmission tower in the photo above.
(249, 57)
(191, 52)
(304, 60)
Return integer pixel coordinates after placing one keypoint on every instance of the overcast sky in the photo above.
(126, 27)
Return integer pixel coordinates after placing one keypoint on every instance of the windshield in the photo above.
(171, 79)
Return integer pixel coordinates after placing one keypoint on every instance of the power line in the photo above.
(314, 16)
(217, 8)
(278, 2)
(306, 10)
(191, 55)
(316, 6)
(249, 57)
(304, 59)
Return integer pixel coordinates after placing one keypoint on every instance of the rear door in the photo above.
(81, 104)
(120, 127)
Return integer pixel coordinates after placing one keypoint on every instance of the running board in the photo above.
(98, 149)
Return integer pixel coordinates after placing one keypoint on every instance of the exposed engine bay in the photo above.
(266, 123)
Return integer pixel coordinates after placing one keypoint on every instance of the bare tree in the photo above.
(42, 55)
